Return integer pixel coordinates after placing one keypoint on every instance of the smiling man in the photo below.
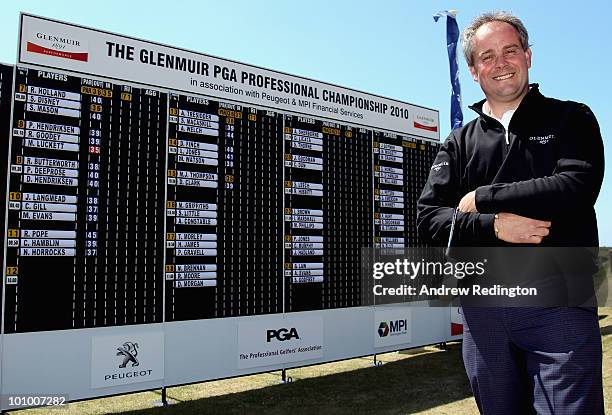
(527, 171)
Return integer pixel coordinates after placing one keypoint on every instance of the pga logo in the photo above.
(282, 334)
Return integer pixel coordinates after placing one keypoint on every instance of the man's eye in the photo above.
(486, 58)
(511, 51)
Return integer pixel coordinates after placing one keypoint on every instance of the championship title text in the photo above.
(258, 80)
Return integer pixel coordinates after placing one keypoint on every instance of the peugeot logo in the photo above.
(129, 351)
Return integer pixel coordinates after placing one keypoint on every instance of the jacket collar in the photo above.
(532, 94)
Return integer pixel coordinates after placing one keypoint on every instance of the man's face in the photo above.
(500, 63)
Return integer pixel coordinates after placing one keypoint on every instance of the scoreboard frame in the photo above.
(82, 362)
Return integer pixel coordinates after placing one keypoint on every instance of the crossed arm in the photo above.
(509, 227)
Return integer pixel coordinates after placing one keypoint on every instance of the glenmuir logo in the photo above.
(59, 46)
(129, 351)
(542, 139)
(425, 123)
(438, 166)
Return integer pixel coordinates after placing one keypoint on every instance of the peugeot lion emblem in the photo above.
(129, 352)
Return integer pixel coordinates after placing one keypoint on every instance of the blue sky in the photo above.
(390, 48)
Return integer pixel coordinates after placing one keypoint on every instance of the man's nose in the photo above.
(500, 61)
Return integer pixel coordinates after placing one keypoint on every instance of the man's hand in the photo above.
(520, 229)
(468, 203)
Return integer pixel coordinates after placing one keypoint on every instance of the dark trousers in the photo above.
(534, 360)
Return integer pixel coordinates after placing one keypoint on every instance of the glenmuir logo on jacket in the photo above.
(542, 139)
(438, 166)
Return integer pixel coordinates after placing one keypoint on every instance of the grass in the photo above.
(431, 382)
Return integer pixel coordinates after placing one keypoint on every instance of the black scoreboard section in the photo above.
(86, 204)
(130, 205)
(328, 212)
(6, 82)
(224, 221)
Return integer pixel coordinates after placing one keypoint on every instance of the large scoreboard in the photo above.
(130, 205)
(147, 184)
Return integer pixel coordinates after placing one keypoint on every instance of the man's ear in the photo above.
(474, 73)
(528, 57)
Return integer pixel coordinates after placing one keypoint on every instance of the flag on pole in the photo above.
(452, 37)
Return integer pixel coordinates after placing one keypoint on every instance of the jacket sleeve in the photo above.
(575, 182)
(438, 200)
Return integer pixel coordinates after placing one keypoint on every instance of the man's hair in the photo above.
(500, 16)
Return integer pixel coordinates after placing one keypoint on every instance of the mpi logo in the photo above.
(393, 328)
(383, 329)
(282, 334)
